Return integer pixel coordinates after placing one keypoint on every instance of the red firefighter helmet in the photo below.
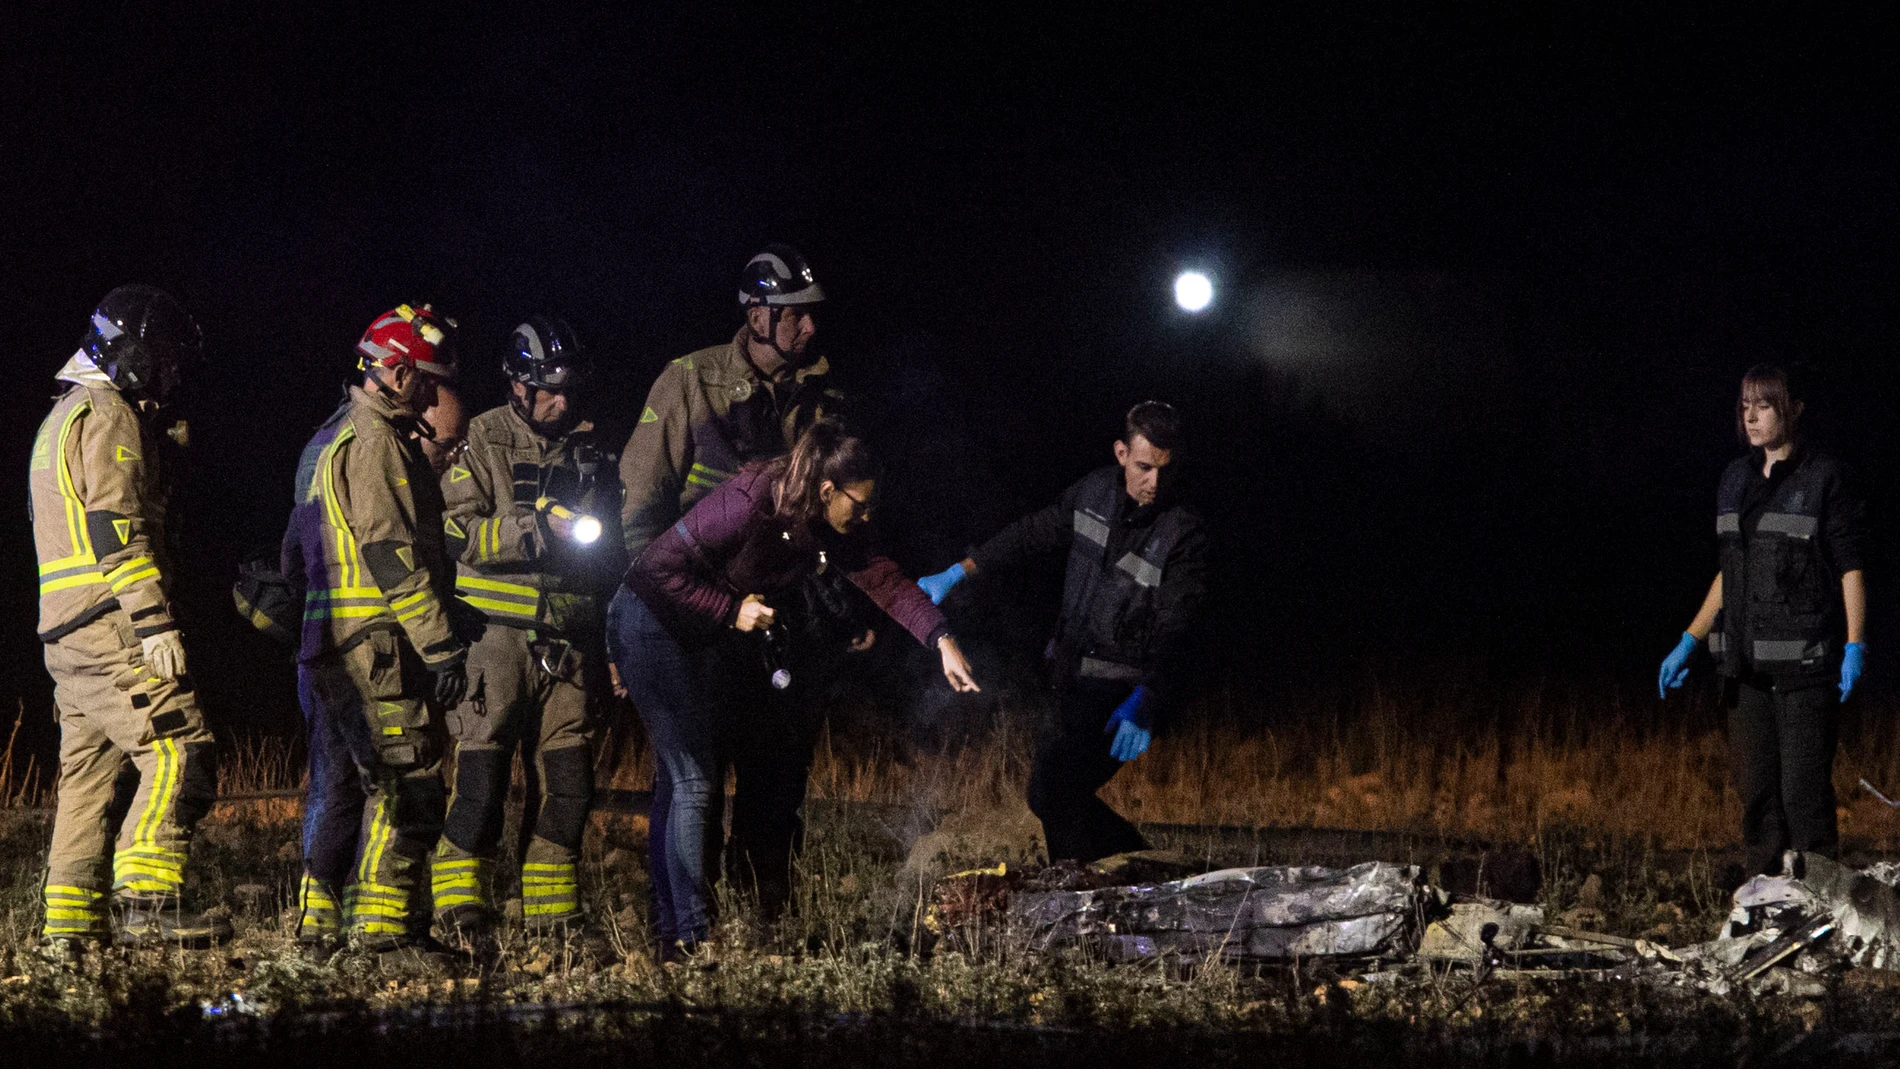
(411, 337)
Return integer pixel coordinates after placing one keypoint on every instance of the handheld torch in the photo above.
(582, 528)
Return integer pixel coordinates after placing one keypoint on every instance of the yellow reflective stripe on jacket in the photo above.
(69, 572)
(343, 603)
(410, 606)
(498, 598)
(349, 560)
(710, 478)
(132, 571)
(488, 538)
(75, 508)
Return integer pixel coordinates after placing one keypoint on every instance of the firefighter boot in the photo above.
(159, 920)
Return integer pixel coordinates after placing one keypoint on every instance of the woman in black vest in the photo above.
(1783, 620)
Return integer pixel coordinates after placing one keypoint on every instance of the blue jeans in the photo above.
(333, 802)
(663, 680)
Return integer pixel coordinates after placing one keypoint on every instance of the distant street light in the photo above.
(1193, 291)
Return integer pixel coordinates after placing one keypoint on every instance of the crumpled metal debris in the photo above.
(1273, 913)
(1478, 930)
(1861, 911)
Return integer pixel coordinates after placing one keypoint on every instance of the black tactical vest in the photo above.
(1780, 580)
(1108, 606)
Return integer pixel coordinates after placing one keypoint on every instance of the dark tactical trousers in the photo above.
(340, 749)
(1071, 765)
(1781, 743)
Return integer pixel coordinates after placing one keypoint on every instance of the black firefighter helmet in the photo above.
(547, 355)
(144, 341)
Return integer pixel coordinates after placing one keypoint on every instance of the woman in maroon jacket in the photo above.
(699, 637)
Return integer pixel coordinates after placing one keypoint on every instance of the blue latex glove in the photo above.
(1131, 739)
(938, 586)
(1853, 663)
(1675, 667)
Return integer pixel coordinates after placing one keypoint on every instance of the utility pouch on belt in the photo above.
(398, 717)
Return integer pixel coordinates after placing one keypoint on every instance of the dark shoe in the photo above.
(316, 947)
(703, 955)
(572, 934)
(416, 961)
(161, 921)
(470, 929)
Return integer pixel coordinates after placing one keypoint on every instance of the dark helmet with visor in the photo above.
(547, 355)
(778, 277)
(144, 341)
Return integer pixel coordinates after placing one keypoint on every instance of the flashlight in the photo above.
(582, 528)
(775, 639)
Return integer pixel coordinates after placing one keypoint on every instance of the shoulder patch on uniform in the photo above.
(455, 529)
(460, 474)
(649, 416)
(122, 454)
(123, 528)
(407, 556)
(400, 482)
(685, 362)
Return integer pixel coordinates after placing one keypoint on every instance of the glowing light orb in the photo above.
(1193, 291)
(586, 530)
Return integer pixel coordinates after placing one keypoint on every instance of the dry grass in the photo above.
(1439, 760)
(1410, 761)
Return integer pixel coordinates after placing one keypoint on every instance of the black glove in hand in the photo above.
(467, 622)
(451, 684)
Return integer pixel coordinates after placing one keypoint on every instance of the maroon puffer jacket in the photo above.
(728, 545)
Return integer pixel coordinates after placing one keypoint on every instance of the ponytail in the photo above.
(825, 452)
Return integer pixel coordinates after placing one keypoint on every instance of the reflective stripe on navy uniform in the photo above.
(1108, 606)
(1781, 580)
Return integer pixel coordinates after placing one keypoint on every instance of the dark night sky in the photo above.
(1488, 279)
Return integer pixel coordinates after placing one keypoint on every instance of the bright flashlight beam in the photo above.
(1193, 291)
(586, 530)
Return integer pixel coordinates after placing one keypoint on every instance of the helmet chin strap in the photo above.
(423, 427)
(770, 341)
(524, 407)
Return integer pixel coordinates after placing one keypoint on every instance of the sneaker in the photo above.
(161, 921)
(703, 955)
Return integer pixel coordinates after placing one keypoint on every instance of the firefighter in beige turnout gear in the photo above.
(524, 513)
(382, 634)
(98, 498)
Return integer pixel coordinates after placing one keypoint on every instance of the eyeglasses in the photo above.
(859, 507)
(457, 451)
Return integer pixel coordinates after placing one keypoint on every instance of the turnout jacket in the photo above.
(708, 413)
(1785, 540)
(368, 530)
(730, 545)
(96, 499)
(509, 564)
(1135, 581)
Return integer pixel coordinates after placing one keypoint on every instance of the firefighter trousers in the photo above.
(526, 691)
(381, 681)
(113, 710)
